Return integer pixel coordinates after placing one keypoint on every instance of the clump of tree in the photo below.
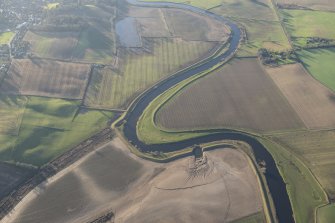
(276, 58)
(319, 42)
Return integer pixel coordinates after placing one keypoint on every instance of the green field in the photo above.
(307, 23)
(274, 40)
(317, 151)
(320, 63)
(115, 89)
(49, 128)
(304, 191)
(51, 6)
(11, 112)
(5, 37)
(326, 214)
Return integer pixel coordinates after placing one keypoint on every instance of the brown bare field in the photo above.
(313, 4)
(11, 176)
(140, 191)
(317, 150)
(191, 26)
(52, 44)
(239, 95)
(46, 78)
(313, 102)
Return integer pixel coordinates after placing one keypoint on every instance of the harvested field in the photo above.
(191, 26)
(239, 95)
(11, 176)
(317, 150)
(46, 78)
(313, 102)
(110, 88)
(11, 112)
(313, 4)
(110, 179)
(52, 44)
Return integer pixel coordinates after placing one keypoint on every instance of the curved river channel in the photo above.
(274, 180)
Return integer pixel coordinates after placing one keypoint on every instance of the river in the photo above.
(274, 180)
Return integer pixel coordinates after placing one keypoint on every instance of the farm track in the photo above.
(8, 203)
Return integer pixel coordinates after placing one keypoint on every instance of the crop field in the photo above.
(5, 37)
(317, 150)
(326, 5)
(46, 78)
(11, 112)
(313, 102)
(320, 63)
(190, 26)
(240, 95)
(48, 128)
(230, 191)
(112, 89)
(52, 44)
(11, 176)
(306, 23)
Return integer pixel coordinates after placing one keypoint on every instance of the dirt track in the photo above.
(222, 186)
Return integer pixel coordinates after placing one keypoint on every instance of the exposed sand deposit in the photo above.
(220, 187)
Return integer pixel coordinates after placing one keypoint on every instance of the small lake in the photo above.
(126, 30)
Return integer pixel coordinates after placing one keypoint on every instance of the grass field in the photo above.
(313, 102)
(320, 63)
(51, 6)
(11, 176)
(46, 78)
(196, 3)
(326, 214)
(50, 127)
(11, 112)
(95, 46)
(317, 150)
(191, 26)
(306, 23)
(306, 195)
(313, 4)
(258, 37)
(113, 89)
(5, 37)
(240, 95)
(52, 44)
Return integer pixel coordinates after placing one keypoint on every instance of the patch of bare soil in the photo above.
(219, 187)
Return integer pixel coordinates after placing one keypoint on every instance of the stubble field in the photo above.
(46, 78)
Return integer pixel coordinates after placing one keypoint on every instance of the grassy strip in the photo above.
(305, 193)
